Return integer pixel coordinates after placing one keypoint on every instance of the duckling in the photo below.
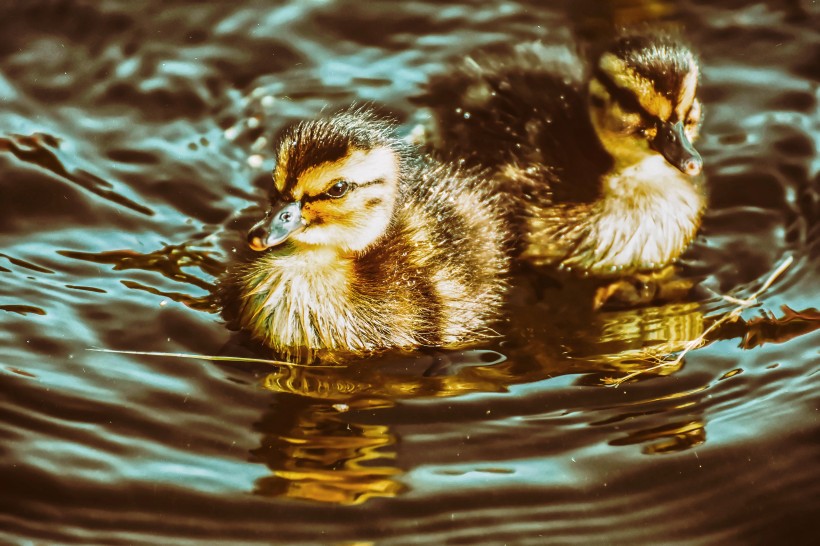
(596, 159)
(368, 244)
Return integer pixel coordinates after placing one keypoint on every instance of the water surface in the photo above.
(135, 147)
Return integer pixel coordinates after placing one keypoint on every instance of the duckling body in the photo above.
(594, 158)
(368, 245)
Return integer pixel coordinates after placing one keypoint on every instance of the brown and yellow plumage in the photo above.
(368, 245)
(596, 158)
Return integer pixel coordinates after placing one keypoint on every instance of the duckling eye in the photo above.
(339, 189)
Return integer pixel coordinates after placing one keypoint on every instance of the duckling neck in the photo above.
(647, 215)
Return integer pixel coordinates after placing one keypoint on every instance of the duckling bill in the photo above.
(368, 245)
(596, 159)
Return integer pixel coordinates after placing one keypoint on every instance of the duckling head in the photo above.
(642, 101)
(335, 184)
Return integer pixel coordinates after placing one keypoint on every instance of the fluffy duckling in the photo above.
(597, 159)
(367, 245)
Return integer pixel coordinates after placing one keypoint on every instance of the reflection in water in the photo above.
(315, 454)
(317, 451)
(563, 334)
(768, 328)
(668, 438)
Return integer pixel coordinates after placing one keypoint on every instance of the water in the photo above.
(134, 146)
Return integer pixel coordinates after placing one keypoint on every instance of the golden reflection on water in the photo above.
(316, 455)
(564, 335)
(668, 438)
(317, 451)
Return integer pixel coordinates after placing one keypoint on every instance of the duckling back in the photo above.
(454, 238)
(521, 110)
(410, 254)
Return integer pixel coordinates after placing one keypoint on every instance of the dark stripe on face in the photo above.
(371, 183)
(353, 187)
(626, 99)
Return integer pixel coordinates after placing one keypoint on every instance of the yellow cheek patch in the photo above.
(358, 166)
(628, 121)
(643, 90)
(596, 89)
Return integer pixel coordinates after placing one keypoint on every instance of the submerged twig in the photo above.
(213, 358)
(742, 305)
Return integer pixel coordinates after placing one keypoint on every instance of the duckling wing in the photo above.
(452, 238)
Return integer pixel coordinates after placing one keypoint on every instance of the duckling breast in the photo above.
(291, 300)
(646, 218)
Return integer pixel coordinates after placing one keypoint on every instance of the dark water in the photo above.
(134, 140)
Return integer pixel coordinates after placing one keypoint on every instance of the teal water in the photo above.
(134, 149)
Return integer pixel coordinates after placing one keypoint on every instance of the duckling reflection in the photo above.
(315, 447)
(597, 159)
(601, 345)
(330, 438)
(319, 449)
(315, 454)
(368, 245)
